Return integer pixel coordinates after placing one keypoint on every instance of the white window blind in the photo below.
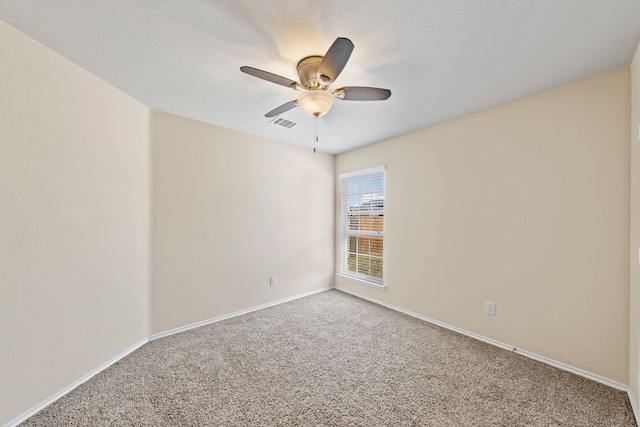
(363, 223)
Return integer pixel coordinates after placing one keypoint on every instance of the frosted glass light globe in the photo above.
(316, 103)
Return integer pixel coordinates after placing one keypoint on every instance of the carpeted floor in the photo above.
(332, 360)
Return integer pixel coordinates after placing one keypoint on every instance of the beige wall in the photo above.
(634, 290)
(525, 205)
(230, 210)
(73, 223)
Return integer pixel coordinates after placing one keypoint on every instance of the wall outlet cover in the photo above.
(490, 308)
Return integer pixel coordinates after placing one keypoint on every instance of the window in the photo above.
(363, 224)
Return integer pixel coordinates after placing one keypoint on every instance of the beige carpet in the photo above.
(332, 360)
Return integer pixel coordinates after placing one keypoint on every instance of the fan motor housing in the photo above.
(308, 73)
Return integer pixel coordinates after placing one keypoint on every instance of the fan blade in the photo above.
(270, 77)
(335, 59)
(282, 109)
(362, 93)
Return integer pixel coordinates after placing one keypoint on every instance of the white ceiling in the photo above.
(441, 59)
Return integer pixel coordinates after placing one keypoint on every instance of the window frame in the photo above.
(345, 233)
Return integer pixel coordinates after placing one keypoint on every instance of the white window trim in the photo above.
(362, 280)
(363, 172)
(365, 280)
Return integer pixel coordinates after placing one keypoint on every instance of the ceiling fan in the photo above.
(316, 73)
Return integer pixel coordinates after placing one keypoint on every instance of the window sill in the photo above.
(362, 281)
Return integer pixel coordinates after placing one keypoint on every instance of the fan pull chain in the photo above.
(315, 131)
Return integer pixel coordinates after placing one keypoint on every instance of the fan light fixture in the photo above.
(316, 103)
(316, 74)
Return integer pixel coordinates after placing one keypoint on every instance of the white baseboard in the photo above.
(560, 365)
(234, 314)
(573, 369)
(31, 412)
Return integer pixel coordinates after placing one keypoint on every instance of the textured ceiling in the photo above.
(441, 59)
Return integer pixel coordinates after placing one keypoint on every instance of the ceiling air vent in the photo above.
(279, 121)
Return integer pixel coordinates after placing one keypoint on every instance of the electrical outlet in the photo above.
(273, 281)
(489, 308)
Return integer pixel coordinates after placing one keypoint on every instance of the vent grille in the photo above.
(279, 121)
